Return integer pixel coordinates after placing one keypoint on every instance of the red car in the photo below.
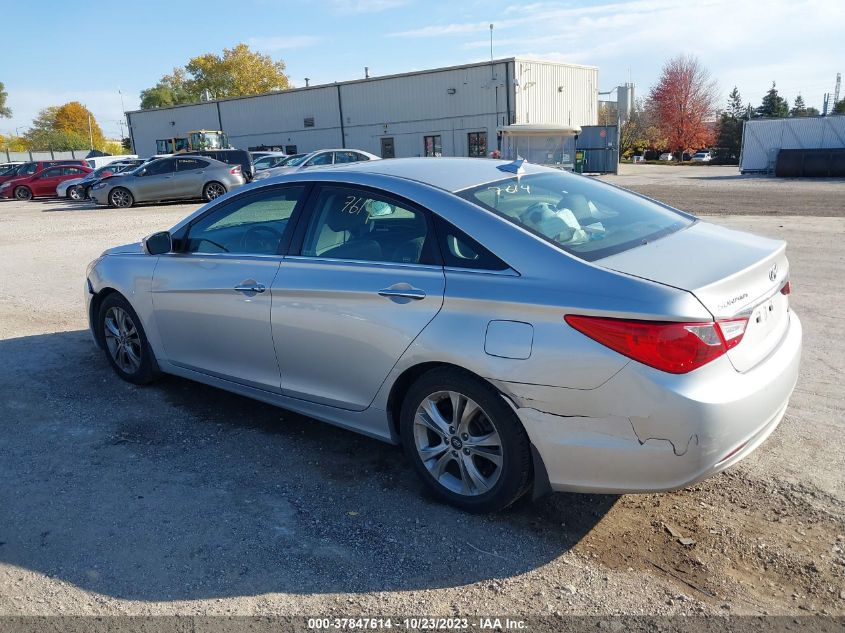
(43, 181)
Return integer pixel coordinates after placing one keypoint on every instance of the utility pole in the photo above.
(90, 132)
(492, 71)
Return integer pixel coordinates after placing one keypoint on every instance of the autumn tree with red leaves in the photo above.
(684, 103)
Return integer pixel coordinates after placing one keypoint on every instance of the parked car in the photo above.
(231, 157)
(95, 162)
(319, 158)
(33, 167)
(667, 156)
(5, 168)
(269, 160)
(174, 178)
(451, 305)
(702, 156)
(79, 188)
(43, 183)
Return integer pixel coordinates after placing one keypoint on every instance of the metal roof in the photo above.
(372, 79)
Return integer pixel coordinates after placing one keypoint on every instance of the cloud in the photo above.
(444, 29)
(350, 7)
(282, 43)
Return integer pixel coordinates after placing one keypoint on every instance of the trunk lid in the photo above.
(732, 273)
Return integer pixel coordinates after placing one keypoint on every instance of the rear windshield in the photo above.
(584, 217)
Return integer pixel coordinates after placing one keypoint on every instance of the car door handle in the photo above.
(402, 293)
(253, 287)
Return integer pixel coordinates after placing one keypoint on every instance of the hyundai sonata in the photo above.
(514, 327)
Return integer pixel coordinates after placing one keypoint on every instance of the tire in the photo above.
(75, 193)
(23, 193)
(124, 341)
(449, 458)
(213, 190)
(121, 198)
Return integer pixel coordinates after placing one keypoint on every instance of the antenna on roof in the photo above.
(516, 167)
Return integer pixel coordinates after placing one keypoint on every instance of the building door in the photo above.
(387, 149)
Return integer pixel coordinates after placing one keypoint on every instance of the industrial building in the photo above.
(453, 111)
(763, 140)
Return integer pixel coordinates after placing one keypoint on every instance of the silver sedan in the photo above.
(320, 158)
(171, 178)
(513, 327)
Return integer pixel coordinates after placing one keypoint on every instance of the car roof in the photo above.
(451, 174)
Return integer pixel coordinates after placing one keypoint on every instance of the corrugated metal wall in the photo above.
(450, 103)
(763, 138)
(149, 125)
(556, 93)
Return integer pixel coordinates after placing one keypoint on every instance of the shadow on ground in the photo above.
(180, 491)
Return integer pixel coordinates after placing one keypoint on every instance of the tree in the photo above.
(799, 108)
(169, 91)
(729, 136)
(773, 106)
(238, 72)
(839, 107)
(65, 127)
(683, 102)
(4, 110)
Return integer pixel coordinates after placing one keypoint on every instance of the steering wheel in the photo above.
(261, 239)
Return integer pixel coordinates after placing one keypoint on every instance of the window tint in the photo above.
(71, 171)
(189, 164)
(353, 224)
(28, 169)
(264, 163)
(346, 157)
(158, 167)
(52, 172)
(586, 218)
(459, 250)
(320, 159)
(251, 225)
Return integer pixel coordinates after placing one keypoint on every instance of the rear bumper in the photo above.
(648, 431)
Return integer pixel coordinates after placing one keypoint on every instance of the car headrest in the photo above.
(344, 217)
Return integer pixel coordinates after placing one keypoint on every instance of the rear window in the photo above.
(584, 217)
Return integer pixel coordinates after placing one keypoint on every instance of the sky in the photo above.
(94, 52)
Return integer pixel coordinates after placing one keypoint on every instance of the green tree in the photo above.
(799, 108)
(773, 106)
(4, 110)
(729, 135)
(69, 126)
(238, 72)
(839, 107)
(169, 91)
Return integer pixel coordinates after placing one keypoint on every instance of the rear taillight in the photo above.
(786, 288)
(672, 347)
(235, 170)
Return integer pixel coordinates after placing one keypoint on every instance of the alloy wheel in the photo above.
(75, 193)
(122, 339)
(458, 443)
(23, 193)
(120, 198)
(214, 190)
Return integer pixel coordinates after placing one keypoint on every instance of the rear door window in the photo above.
(355, 224)
(190, 164)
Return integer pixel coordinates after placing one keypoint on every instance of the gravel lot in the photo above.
(181, 499)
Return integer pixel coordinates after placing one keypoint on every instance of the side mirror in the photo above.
(157, 243)
(141, 172)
